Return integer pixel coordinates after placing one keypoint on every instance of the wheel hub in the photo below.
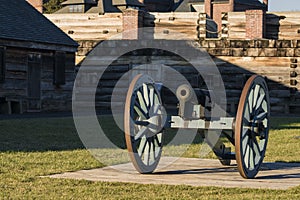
(257, 129)
(156, 120)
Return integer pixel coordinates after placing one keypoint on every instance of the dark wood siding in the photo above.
(2, 64)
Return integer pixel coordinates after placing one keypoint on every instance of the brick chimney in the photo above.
(266, 3)
(255, 24)
(208, 7)
(38, 4)
(132, 21)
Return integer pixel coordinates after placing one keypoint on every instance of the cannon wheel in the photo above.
(143, 125)
(252, 126)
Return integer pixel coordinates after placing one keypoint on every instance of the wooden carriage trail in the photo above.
(196, 172)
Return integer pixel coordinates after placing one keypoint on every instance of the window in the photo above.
(59, 68)
(2, 64)
(76, 8)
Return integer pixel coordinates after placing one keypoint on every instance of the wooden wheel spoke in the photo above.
(151, 96)
(255, 95)
(142, 146)
(141, 123)
(153, 126)
(140, 111)
(158, 139)
(141, 133)
(251, 157)
(250, 101)
(262, 116)
(245, 144)
(246, 155)
(256, 151)
(156, 99)
(265, 106)
(260, 101)
(142, 102)
(156, 144)
(152, 152)
(156, 109)
(146, 153)
(146, 95)
(245, 132)
(247, 113)
(246, 122)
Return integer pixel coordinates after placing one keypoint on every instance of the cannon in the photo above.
(145, 120)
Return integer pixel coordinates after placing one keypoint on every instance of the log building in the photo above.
(37, 61)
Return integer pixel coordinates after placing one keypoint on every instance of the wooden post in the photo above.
(224, 33)
(202, 25)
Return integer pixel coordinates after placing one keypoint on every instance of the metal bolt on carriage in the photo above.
(145, 121)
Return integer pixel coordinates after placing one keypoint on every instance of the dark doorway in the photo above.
(34, 82)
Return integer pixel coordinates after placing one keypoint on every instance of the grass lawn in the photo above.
(30, 148)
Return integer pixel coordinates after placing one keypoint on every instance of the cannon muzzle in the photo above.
(184, 93)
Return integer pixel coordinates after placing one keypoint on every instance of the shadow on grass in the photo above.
(56, 134)
(285, 123)
(39, 134)
(50, 134)
(199, 171)
(274, 166)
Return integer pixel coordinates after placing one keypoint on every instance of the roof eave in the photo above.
(38, 45)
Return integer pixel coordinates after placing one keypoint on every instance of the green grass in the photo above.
(30, 148)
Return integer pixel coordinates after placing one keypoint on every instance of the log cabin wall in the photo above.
(236, 58)
(89, 29)
(277, 60)
(278, 25)
(57, 97)
(33, 69)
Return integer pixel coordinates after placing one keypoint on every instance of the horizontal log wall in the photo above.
(279, 25)
(236, 25)
(90, 29)
(174, 25)
(88, 26)
(53, 98)
(102, 27)
(57, 98)
(236, 60)
(283, 25)
(277, 60)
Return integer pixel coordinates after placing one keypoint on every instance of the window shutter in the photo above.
(2, 64)
(59, 68)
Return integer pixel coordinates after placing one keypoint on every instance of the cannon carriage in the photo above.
(145, 120)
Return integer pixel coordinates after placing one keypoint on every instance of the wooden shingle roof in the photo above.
(20, 21)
